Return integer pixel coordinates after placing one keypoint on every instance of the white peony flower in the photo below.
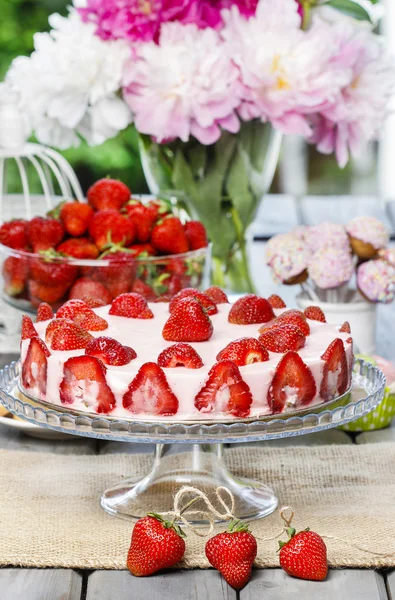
(67, 86)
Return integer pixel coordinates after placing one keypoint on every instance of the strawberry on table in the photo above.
(217, 295)
(180, 355)
(244, 351)
(276, 301)
(27, 329)
(196, 234)
(44, 312)
(150, 393)
(64, 334)
(79, 248)
(44, 233)
(84, 380)
(206, 302)
(156, 544)
(290, 317)
(142, 218)
(91, 292)
(233, 553)
(76, 217)
(250, 309)
(168, 236)
(132, 306)
(188, 323)
(294, 375)
(314, 313)
(110, 351)
(304, 555)
(282, 338)
(109, 227)
(225, 376)
(34, 368)
(81, 314)
(15, 273)
(335, 375)
(14, 234)
(108, 193)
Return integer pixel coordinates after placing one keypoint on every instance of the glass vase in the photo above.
(221, 185)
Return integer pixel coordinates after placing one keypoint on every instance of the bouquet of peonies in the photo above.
(209, 86)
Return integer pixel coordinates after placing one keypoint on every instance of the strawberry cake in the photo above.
(196, 358)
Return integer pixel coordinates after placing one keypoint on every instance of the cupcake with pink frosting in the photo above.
(376, 281)
(287, 258)
(367, 236)
(388, 254)
(331, 267)
(327, 234)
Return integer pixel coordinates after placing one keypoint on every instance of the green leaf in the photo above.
(238, 188)
(351, 9)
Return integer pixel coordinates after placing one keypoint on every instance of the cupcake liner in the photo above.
(378, 419)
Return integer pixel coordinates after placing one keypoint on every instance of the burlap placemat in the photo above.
(50, 514)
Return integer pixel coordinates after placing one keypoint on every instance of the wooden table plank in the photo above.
(186, 585)
(347, 584)
(40, 584)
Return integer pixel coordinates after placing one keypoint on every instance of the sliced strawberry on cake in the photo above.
(81, 314)
(27, 329)
(345, 328)
(188, 322)
(150, 393)
(225, 391)
(314, 313)
(63, 334)
(244, 351)
(217, 295)
(206, 302)
(276, 301)
(289, 317)
(110, 351)
(180, 355)
(281, 338)
(335, 374)
(44, 312)
(293, 384)
(84, 382)
(249, 310)
(34, 367)
(132, 306)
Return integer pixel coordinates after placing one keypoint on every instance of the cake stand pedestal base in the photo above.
(198, 465)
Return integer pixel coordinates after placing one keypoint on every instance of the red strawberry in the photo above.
(217, 295)
(276, 301)
(34, 368)
(156, 544)
(44, 233)
(110, 351)
(180, 355)
(14, 234)
(349, 340)
(174, 284)
(92, 373)
(63, 334)
(52, 272)
(304, 555)
(206, 302)
(294, 374)
(149, 392)
(196, 234)
(118, 274)
(133, 306)
(76, 217)
(290, 317)
(109, 227)
(244, 351)
(108, 193)
(27, 329)
(141, 250)
(142, 288)
(40, 292)
(142, 218)
(159, 208)
(345, 328)
(79, 248)
(81, 314)
(168, 236)
(225, 375)
(44, 312)
(250, 309)
(335, 363)
(314, 313)
(233, 553)
(282, 338)
(87, 290)
(15, 273)
(188, 323)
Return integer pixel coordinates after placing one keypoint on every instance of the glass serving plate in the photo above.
(191, 453)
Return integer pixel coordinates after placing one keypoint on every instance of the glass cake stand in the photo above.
(191, 452)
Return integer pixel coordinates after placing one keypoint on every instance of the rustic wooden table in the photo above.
(266, 584)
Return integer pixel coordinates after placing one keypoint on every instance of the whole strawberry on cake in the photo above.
(197, 357)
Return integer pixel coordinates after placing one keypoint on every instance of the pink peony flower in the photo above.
(355, 114)
(185, 86)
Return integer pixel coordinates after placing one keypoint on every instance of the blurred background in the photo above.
(301, 171)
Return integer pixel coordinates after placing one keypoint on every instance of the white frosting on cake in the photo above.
(145, 337)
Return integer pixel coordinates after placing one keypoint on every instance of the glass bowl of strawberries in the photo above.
(94, 251)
